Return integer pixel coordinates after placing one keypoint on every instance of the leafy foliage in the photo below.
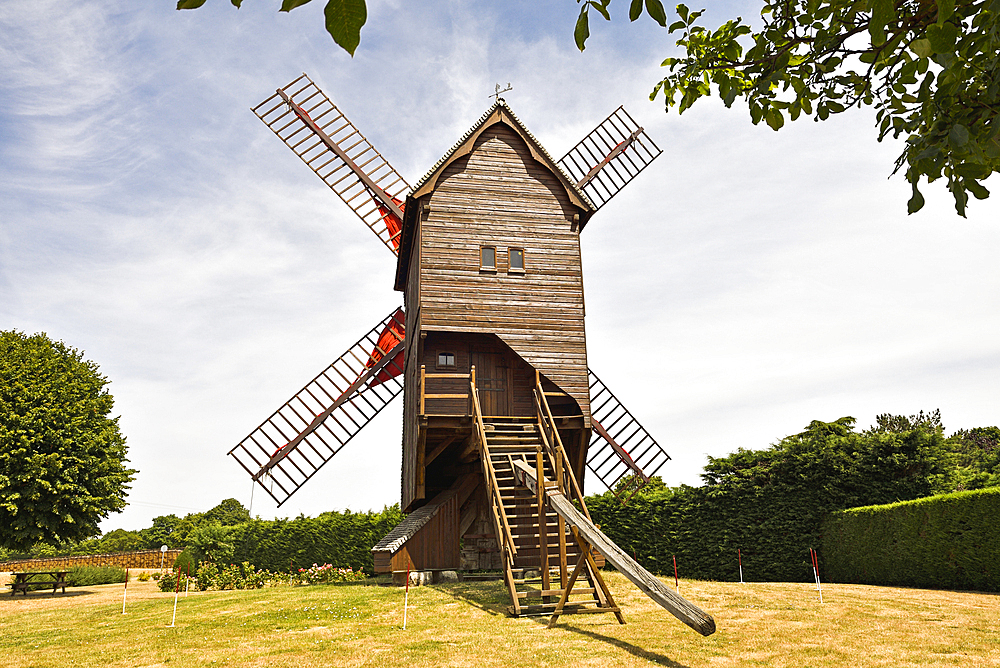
(344, 539)
(771, 503)
(62, 458)
(930, 68)
(85, 576)
(213, 542)
(949, 541)
(344, 18)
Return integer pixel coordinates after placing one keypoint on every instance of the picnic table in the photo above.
(23, 581)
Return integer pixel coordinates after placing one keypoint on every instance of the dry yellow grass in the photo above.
(463, 625)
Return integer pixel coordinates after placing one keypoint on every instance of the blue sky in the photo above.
(152, 221)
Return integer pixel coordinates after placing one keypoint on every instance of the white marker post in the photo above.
(406, 594)
(163, 552)
(177, 591)
(125, 593)
(739, 556)
(812, 562)
(819, 585)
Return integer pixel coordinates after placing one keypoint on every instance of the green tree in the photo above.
(213, 542)
(62, 457)
(929, 68)
(228, 513)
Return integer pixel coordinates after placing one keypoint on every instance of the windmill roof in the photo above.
(499, 112)
(501, 103)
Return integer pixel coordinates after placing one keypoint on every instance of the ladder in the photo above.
(539, 571)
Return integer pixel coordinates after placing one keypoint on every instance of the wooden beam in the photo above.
(438, 449)
(348, 394)
(675, 604)
(619, 450)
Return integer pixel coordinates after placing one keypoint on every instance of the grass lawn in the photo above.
(463, 624)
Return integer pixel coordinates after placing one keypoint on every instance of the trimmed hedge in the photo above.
(85, 576)
(950, 541)
(342, 539)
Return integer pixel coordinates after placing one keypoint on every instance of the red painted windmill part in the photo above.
(318, 132)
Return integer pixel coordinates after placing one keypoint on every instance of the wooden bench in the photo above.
(38, 579)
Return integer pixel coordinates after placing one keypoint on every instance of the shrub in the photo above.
(327, 573)
(207, 574)
(144, 577)
(945, 541)
(84, 576)
(186, 562)
(170, 581)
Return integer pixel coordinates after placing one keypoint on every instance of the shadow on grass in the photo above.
(634, 650)
(483, 595)
(46, 594)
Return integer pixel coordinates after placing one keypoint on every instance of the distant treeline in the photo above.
(770, 504)
(227, 534)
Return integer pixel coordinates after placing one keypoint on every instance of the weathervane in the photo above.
(498, 90)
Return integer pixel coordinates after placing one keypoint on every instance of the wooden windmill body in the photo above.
(502, 416)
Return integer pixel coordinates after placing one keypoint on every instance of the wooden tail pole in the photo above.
(677, 583)
(739, 556)
(177, 591)
(125, 593)
(406, 593)
(590, 536)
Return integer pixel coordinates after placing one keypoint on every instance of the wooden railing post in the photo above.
(423, 387)
(543, 529)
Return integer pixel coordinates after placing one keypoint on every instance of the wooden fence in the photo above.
(140, 559)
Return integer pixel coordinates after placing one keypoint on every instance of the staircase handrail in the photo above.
(496, 500)
(548, 422)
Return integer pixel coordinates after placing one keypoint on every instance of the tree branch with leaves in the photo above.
(929, 68)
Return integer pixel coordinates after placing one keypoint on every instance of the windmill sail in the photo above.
(609, 157)
(318, 132)
(620, 447)
(310, 428)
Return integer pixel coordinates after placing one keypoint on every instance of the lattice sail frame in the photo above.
(609, 157)
(637, 454)
(318, 132)
(330, 410)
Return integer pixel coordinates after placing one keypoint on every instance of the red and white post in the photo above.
(739, 556)
(677, 583)
(125, 593)
(406, 594)
(177, 591)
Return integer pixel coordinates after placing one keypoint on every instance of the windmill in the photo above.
(501, 415)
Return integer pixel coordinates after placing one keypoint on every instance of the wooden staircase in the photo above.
(537, 574)
(539, 549)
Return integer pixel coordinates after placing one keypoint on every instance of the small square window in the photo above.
(446, 359)
(488, 258)
(516, 259)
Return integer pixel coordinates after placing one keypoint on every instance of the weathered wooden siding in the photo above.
(435, 546)
(499, 195)
(411, 382)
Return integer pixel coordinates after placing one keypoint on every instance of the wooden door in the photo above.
(492, 381)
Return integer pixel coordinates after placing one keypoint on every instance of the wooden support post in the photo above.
(423, 388)
(566, 590)
(561, 524)
(543, 529)
(600, 586)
